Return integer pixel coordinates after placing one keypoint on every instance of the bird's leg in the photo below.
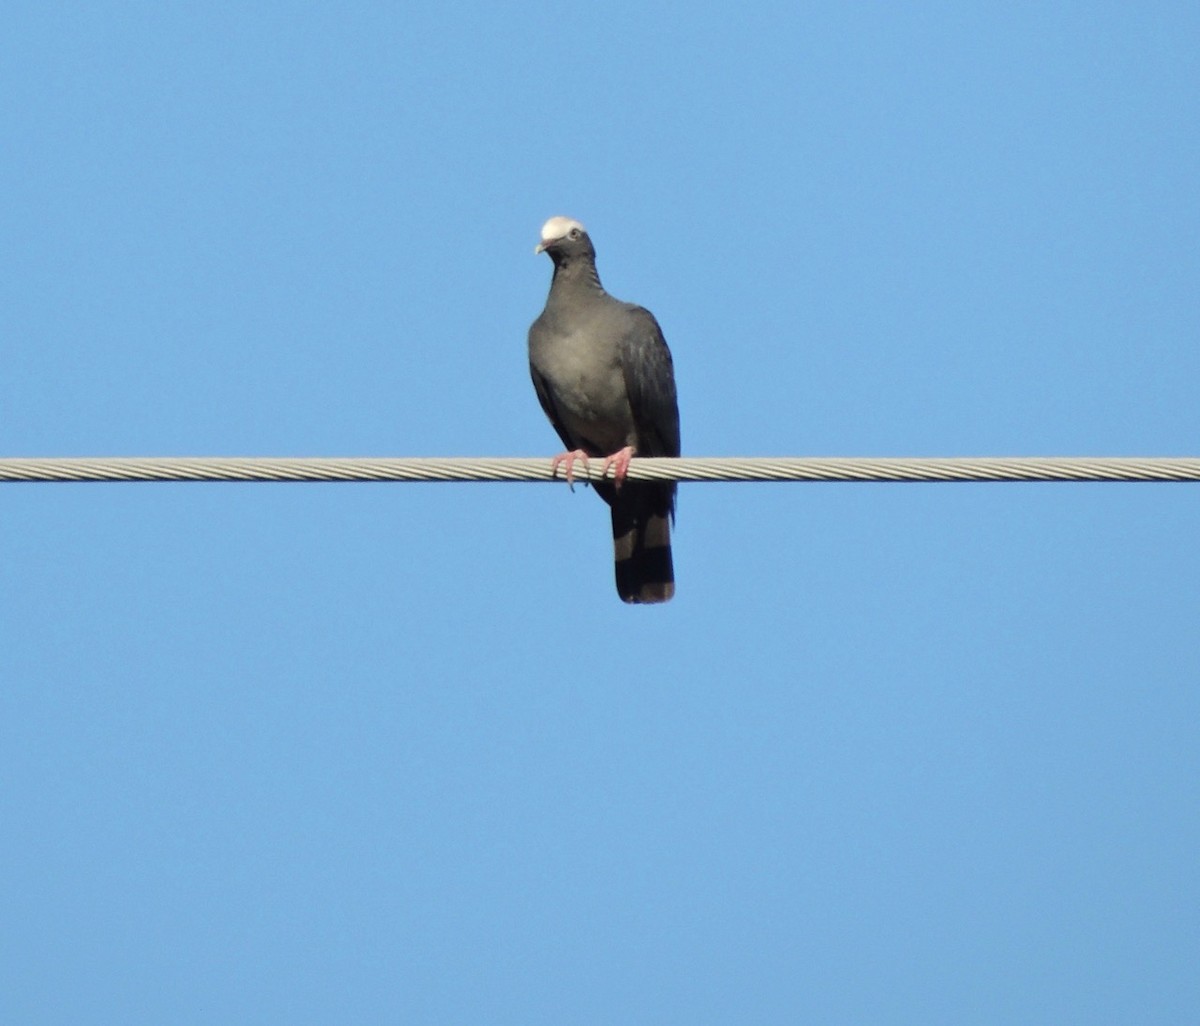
(569, 459)
(619, 461)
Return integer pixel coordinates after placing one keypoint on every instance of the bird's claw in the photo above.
(569, 459)
(619, 461)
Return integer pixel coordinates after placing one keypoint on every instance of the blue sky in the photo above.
(329, 753)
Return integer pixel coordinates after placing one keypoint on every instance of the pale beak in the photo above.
(540, 248)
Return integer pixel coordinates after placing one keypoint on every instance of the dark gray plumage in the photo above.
(604, 376)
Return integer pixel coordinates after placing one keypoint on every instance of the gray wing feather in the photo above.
(547, 400)
(650, 383)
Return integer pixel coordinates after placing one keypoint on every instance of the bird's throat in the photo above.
(575, 278)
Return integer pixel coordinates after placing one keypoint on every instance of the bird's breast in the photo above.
(583, 374)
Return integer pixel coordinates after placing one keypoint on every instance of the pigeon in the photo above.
(604, 376)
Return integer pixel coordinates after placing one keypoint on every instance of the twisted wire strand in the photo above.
(721, 468)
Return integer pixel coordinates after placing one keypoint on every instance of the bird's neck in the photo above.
(575, 278)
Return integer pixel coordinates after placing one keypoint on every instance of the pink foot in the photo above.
(619, 461)
(569, 459)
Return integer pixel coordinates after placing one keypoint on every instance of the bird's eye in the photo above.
(574, 233)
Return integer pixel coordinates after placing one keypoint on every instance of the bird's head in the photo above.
(564, 237)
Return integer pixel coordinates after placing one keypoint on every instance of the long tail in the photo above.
(641, 528)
